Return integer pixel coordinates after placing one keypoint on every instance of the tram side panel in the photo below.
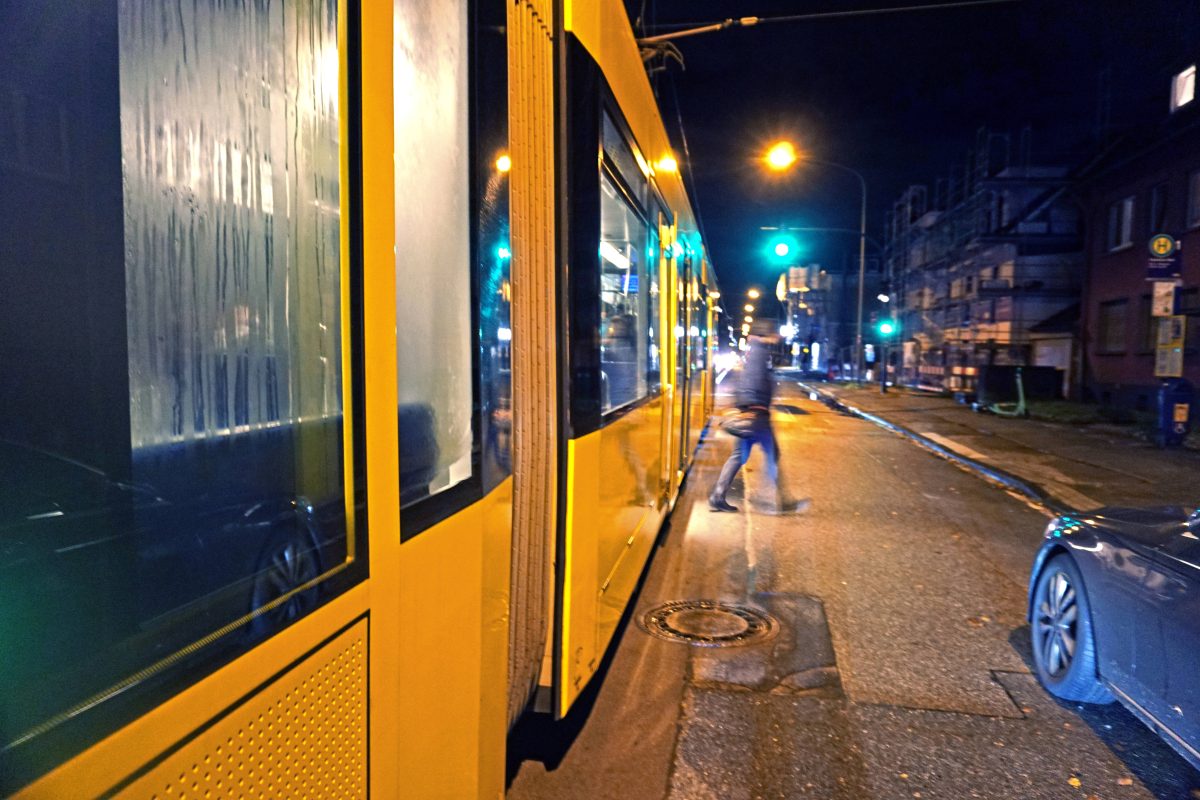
(454, 334)
(177, 447)
(634, 383)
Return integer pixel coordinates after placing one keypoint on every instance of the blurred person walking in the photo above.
(752, 424)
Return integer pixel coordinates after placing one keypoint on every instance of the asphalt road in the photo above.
(899, 667)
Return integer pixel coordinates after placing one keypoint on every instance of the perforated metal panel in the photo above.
(304, 735)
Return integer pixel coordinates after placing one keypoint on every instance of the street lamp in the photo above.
(781, 156)
(753, 294)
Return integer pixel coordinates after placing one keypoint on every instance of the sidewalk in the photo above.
(1064, 466)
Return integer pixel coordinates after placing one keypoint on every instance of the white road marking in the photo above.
(958, 447)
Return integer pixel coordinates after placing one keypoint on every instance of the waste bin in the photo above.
(1174, 411)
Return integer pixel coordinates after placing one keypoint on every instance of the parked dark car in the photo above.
(1114, 610)
(100, 576)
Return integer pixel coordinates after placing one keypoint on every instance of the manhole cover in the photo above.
(707, 623)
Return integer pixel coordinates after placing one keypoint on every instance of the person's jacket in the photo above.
(756, 384)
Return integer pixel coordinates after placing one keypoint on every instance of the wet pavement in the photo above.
(899, 667)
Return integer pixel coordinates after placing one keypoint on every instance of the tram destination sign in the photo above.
(1164, 262)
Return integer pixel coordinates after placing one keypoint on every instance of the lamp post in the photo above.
(783, 155)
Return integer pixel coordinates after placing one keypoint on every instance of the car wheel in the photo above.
(1064, 648)
(289, 561)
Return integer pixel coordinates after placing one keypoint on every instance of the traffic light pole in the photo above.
(883, 366)
(862, 273)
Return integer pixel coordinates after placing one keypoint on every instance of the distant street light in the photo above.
(753, 294)
(749, 308)
(883, 298)
(781, 156)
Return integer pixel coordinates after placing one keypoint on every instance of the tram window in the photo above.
(623, 293)
(653, 339)
(433, 247)
(172, 452)
(618, 149)
(494, 248)
(699, 327)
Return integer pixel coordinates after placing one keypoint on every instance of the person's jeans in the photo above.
(762, 435)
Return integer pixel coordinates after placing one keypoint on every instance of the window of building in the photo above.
(1193, 217)
(1158, 209)
(1183, 88)
(1189, 304)
(1149, 323)
(1111, 327)
(1120, 224)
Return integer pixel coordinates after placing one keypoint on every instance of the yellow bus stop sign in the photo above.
(1162, 245)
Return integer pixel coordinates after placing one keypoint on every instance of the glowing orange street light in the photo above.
(753, 294)
(781, 155)
(503, 163)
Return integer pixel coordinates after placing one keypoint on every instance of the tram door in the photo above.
(666, 240)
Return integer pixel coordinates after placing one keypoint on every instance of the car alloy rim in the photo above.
(1058, 615)
(289, 569)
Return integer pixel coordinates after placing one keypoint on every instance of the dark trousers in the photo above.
(762, 435)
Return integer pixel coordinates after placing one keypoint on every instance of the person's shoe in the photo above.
(720, 504)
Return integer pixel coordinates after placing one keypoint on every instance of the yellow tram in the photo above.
(354, 354)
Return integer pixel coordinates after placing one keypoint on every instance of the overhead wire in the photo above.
(861, 12)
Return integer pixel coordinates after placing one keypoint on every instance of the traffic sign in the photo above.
(1164, 263)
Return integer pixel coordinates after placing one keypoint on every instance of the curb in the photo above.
(1030, 492)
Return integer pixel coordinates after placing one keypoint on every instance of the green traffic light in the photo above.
(783, 248)
(887, 328)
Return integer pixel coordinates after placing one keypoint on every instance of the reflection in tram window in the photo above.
(171, 443)
(623, 314)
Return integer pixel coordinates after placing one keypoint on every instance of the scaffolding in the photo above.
(994, 249)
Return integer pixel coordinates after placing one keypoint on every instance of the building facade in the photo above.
(995, 251)
(1148, 185)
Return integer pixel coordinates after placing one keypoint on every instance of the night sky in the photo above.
(897, 97)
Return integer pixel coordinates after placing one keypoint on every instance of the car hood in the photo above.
(1149, 526)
